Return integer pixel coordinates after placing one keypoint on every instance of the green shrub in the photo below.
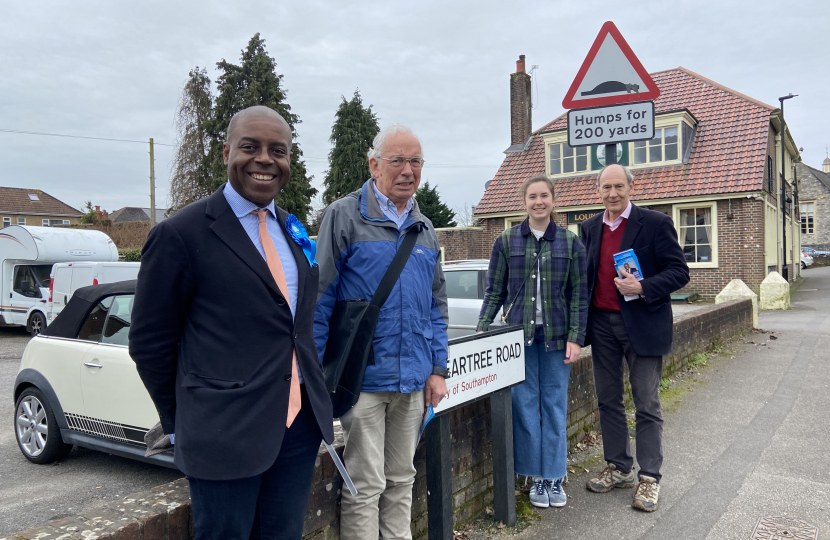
(132, 255)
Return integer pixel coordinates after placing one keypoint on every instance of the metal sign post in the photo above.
(480, 366)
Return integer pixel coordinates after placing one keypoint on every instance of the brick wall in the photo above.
(164, 513)
(520, 104)
(740, 245)
(463, 243)
(740, 249)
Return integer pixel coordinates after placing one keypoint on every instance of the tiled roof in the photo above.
(18, 201)
(728, 151)
(133, 213)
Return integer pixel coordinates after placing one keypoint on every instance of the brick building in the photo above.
(814, 202)
(713, 167)
(34, 207)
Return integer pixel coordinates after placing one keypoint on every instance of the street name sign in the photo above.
(611, 74)
(612, 124)
(482, 364)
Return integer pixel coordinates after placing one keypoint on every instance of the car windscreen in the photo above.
(41, 273)
(462, 284)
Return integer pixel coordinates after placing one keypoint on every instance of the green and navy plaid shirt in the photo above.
(562, 262)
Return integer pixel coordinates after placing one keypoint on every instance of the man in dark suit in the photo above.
(639, 330)
(222, 336)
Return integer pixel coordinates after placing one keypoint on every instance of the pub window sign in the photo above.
(582, 215)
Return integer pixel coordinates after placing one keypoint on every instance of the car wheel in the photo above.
(37, 323)
(803, 265)
(38, 435)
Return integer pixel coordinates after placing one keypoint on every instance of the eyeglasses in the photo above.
(398, 162)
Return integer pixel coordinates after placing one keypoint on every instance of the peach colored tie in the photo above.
(275, 266)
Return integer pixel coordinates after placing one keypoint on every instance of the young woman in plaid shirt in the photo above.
(537, 273)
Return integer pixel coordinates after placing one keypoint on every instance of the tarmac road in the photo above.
(31, 495)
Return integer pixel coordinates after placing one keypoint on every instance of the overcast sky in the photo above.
(116, 69)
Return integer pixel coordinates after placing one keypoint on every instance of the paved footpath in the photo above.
(751, 439)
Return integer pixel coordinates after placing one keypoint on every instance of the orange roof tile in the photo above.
(728, 151)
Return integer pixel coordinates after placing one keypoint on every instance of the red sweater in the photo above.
(605, 291)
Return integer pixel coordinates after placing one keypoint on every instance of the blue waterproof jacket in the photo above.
(355, 246)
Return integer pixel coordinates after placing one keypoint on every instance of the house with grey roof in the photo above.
(133, 213)
(814, 203)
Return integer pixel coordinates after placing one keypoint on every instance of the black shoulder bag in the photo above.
(351, 331)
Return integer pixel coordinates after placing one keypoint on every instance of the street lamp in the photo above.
(784, 270)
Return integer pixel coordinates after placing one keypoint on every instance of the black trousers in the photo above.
(271, 505)
(609, 346)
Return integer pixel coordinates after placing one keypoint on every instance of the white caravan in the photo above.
(69, 277)
(26, 258)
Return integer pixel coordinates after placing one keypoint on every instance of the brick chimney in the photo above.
(520, 105)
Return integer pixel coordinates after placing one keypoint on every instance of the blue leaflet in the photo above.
(627, 260)
(298, 233)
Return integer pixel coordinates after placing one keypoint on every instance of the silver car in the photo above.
(466, 281)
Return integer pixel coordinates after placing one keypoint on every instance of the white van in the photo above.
(69, 277)
(26, 258)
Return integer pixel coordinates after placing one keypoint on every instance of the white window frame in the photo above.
(21, 221)
(713, 206)
(513, 220)
(7, 222)
(562, 158)
(648, 147)
(804, 214)
(45, 223)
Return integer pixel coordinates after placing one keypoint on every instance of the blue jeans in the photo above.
(540, 410)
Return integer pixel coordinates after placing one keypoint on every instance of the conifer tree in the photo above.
(429, 202)
(255, 82)
(352, 133)
(190, 178)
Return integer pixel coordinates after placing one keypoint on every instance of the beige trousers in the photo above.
(380, 431)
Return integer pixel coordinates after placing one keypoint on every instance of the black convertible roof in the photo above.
(68, 323)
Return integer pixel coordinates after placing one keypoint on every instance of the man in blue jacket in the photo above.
(358, 239)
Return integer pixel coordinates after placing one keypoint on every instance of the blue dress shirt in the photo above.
(242, 209)
(390, 210)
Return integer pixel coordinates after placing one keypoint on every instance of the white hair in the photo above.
(385, 133)
(628, 174)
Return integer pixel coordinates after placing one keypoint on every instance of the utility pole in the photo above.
(152, 186)
(784, 269)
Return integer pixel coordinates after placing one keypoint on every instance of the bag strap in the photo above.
(396, 267)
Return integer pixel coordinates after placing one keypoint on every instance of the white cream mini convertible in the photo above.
(77, 384)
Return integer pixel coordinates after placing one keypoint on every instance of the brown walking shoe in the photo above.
(610, 478)
(646, 494)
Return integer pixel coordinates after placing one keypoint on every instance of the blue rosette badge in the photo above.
(298, 233)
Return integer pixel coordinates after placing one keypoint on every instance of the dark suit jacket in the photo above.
(654, 239)
(212, 338)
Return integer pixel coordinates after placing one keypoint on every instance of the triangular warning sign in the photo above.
(610, 74)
